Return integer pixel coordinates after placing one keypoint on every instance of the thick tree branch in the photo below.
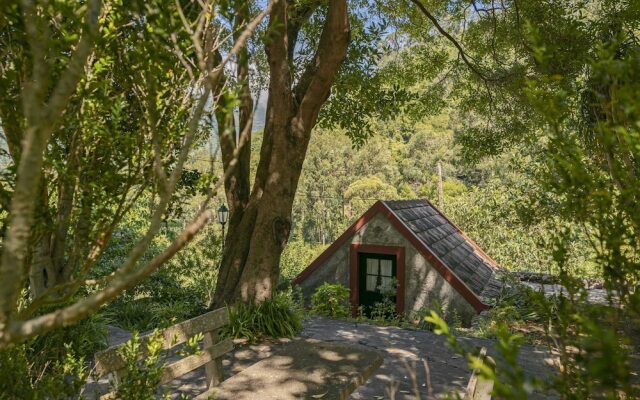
(237, 186)
(315, 84)
(297, 15)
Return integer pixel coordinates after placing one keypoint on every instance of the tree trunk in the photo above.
(42, 274)
(259, 231)
(49, 265)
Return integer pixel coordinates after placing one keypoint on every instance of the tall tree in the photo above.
(260, 220)
(97, 111)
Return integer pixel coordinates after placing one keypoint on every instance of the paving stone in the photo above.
(303, 369)
(403, 350)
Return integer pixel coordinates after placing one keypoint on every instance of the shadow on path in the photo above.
(403, 349)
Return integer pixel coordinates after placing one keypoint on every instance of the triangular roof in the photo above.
(450, 251)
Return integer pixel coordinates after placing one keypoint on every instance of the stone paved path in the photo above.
(304, 368)
(402, 349)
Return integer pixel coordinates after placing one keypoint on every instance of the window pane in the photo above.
(372, 266)
(371, 282)
(387, 284)
(386, 267)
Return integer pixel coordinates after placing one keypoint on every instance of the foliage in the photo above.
(544, 105)
(149, 313)
(279, 316)
(180, 290)
(596, 350)
(83, 339)
(362, 191)
(489, 201)
(52, 365)
(592, 129)
(490, 215)
(94, 157)
(384, 312)
(510, 381)
(375, 83)
(575, 126)
(296, 257)
(142, 377)
(104, 101)
(519, 308)
(21, 378)
(331, 300)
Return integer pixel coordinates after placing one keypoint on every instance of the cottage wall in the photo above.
(424, 286)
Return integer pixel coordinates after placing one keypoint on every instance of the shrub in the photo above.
(148, 313)
(23, 377)
(83, 340)
(51, 366)
(141, 380)
(180, 290)
(15, 373)
(130, 314)
(384, 312)
(331, 300)
(517, 307)
(276, 317)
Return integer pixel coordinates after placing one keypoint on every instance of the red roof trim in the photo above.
(355, 227)
(379, 206)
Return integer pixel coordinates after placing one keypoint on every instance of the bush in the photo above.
(180, 290)
(146, 314)
(141, 380)
(21, 377)
(331, 300)
(82, 339)
(384, 312)
(51, 366)
(517, 307)
(277, 317)
(176, 292)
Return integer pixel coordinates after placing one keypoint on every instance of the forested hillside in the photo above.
(488, 199)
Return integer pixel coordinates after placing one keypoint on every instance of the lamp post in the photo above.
(223, 215)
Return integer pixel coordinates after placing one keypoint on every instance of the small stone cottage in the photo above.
(410, 251)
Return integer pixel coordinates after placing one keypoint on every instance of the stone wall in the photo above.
(424, 286)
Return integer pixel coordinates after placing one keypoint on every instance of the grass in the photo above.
(277, 317)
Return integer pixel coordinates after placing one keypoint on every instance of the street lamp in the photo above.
(223, 215)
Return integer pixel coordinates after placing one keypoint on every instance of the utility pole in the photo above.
(440, 196)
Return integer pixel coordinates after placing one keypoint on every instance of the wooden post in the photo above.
(440, 195)
(480, 389)
(213, 369)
